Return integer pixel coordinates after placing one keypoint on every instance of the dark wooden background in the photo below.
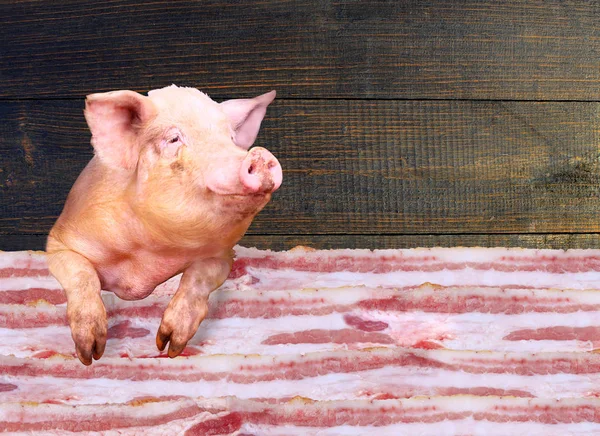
(398, 123)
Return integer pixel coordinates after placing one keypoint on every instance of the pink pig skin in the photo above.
(172, 187)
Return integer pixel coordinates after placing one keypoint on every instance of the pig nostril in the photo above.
(271, 164)
(251, 169)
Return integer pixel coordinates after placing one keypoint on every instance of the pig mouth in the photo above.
(241, 193)
(251, 197)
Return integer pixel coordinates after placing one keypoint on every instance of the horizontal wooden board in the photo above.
(360, 167)
(560, 241)
(555, 241)
(415, 49)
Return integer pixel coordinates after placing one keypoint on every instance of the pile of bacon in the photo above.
(345, 342)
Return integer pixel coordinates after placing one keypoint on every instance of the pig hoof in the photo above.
(88, 329)
(179, 323)
(163, 337)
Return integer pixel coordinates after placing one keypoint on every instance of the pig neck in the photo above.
(201, 227)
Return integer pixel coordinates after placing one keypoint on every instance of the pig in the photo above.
(172, 187)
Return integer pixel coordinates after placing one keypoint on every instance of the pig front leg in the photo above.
(85, 309)
(189, 306)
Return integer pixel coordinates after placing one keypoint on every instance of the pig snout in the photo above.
(260, 171)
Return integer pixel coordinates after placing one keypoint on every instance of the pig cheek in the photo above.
(166, 186)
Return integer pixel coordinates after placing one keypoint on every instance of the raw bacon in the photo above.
(425, 341)
(369, 374)
(463, 414)
(504, 267)
(274, 322)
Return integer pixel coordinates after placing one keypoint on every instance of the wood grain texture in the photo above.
(43, 147)
(561, 241)
(323, 242)
(360, 167)
(414, 49)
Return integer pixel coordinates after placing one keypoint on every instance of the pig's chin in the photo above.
(240, 204)
(240, 193)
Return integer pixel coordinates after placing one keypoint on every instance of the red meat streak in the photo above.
(322, 336)
(6, 387)
(25, 296)
(124, 330)
(365, 325)
(222, 425)
(557, 333)
(23, 272)
(474, 303)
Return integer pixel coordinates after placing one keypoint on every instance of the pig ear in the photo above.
(245, 116)
(115, 119)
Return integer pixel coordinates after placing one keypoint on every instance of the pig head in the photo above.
(172, 187)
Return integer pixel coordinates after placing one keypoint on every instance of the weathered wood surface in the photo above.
(414, 49)
(361, 167)
(286, 242)
(398, 123)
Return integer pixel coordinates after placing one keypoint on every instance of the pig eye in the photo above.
(171, 142)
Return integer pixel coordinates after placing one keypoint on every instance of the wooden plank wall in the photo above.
(398, 123)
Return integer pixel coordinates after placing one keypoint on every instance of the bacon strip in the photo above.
(301, 268)
(385, 261)
(275, 322)
(23, 264)
(147, 416)
(228, 416)
(254, 303)
(375, 374)
(305, 268)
